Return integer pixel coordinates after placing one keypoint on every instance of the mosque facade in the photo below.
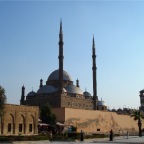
(60, 91)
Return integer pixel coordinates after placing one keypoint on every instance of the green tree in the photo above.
(138, 115)
(47, 116)
(2, 100)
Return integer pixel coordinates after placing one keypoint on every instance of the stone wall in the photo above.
(19, 119)
(96, 121)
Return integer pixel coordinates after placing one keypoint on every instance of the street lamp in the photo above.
(139, 123)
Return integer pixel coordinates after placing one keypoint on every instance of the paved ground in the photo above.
(116, 140)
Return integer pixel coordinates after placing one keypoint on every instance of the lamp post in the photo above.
(140, 124)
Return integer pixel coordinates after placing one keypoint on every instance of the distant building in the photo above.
(19, 119)
(60, 91)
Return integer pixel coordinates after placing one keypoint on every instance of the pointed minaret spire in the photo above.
(94, 68)
(61, 57)
(61, 32)
(77, 83)
(22, 95)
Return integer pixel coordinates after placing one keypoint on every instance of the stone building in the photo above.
(19, 119)
(60, 91)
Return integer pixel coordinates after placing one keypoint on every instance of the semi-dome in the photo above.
(86, 93)
(73, 89)
(46, 89)
(63, 89)
(32, 93)
(55, 76)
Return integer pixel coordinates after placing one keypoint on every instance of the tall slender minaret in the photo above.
(22, 95)
(61, 57)
(94, 68)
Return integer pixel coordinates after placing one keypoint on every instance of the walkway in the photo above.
(117, 140)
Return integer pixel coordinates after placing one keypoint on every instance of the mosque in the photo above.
(60, 91)
(72, 106)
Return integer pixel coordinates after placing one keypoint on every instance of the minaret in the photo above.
(61, 57)
(22, 96)
(94, 68)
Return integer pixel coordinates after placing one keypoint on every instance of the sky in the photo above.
(29, 35)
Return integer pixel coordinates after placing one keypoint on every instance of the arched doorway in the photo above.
(31, 124)
(21, 125)
(10, 124)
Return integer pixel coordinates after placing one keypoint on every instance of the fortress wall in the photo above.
(97, 121)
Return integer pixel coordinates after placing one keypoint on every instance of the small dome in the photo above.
(46, 89)
(119, 109)
(142, 91)
(55, 76)
(73, 89)
(113, 110)
(101, 103)
(64, 90)
(32, 93)
(86, 93)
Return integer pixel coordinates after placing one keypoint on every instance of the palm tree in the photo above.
(2, 100)
(138, 115)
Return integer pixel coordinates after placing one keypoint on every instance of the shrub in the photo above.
(23, 138)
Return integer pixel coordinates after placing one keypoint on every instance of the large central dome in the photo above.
(55, 76)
